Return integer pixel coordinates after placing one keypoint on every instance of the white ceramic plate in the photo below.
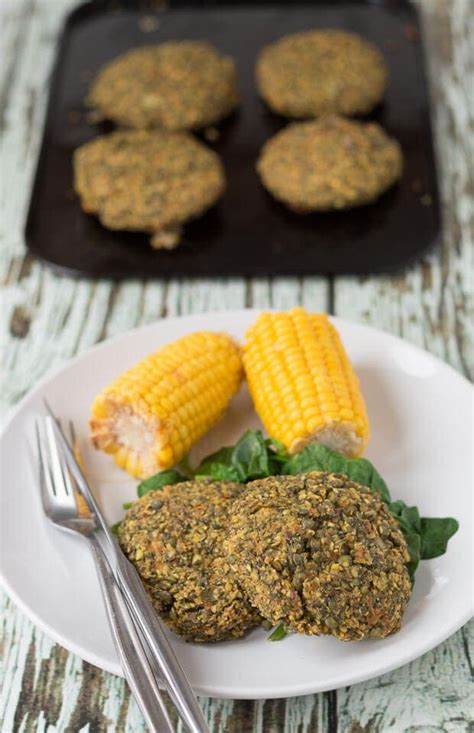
(421, 417)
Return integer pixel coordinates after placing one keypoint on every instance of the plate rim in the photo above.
(337, 681)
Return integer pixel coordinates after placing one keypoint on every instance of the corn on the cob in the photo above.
(302, 382)
(151, 415)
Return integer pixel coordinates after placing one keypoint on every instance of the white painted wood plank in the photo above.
(432, 306)
(196, 296)
(433, 303)
(62, 317)
(312, 292)
(23, 117)
(433, 693)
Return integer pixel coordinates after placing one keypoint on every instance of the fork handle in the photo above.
(153, 632)
(143, 612)
(128, 644)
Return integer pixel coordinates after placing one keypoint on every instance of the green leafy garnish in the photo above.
(159, 481)
(115, 527)
(218, 466)
(410, 524)
(435, 534)
(127, 504)
(252, 457)
(277, 455)
(278, 633)
(407, 515)
(426, 537)
(317, 457)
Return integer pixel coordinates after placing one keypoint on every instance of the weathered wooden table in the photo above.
(48, 319)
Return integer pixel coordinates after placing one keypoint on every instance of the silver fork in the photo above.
(61, 509)
(144, 615)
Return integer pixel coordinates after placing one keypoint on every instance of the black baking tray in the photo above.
(247, 232)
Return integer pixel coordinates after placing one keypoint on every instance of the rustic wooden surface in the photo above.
(47, 319)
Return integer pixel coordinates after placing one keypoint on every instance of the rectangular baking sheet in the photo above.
(247, 232)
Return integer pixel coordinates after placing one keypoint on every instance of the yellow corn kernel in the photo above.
(302, 382)
(151, 415)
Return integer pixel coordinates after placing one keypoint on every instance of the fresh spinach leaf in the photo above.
(435, 533)
(278, 633)
(413, 544)
(159, 481)
(277, 455)
(218, 466)
(317, 457)
(408, 518)
(220, 472)
(413, 541)
(250, 458)
(427, 537)
(115, 527)
(221, 457)
(408, 515)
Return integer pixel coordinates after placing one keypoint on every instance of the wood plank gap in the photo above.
(465, 643)
(83, 325)
(331, 702)
(163, 308)
(331, 295)
(110, 307)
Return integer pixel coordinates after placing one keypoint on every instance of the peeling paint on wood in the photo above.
(48, 319)
(19, 322)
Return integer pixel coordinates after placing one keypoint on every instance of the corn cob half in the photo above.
(151, 415)
(302, 382)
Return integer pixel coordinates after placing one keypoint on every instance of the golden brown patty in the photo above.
(179, 85)
(331, 163)
(150, 181)
(321, 554)
(317, 72)
(174, 539)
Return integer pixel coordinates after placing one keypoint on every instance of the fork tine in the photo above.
(48, 483)
(59, 449)
(79, 482)
(59, 476)
(53, 458)
(75, 469)
(43, 476)
(68, 486)
(49, 409)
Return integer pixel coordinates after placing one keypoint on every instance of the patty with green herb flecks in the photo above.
(174, 538)
(317, 72)
(148, 180)
(320, 554)
(178, 85)
(330, 163)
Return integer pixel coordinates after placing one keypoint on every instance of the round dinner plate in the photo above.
(421, 415)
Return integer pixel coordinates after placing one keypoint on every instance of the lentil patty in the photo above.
(150, 181)
(179, 85)
(331, 163)
(317, 72)
(174, 539)
(321, 554)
